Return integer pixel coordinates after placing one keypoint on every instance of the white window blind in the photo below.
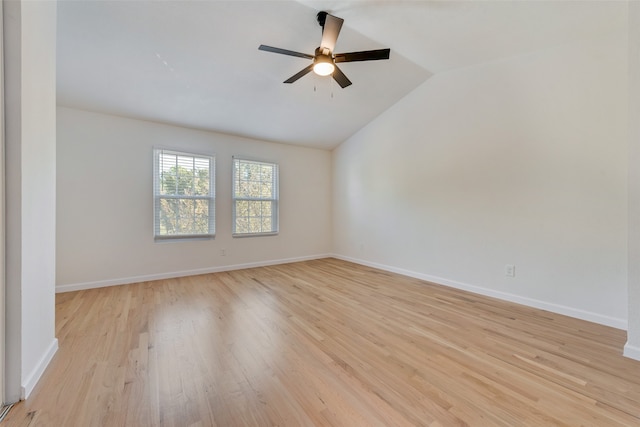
(255, 198)
(184, 195)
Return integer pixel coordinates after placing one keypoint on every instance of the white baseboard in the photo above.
(32, 379)
(543, 305)
(613, 322)
(632, 351)
(174, 274)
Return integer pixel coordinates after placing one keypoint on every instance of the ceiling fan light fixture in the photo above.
(323, 65)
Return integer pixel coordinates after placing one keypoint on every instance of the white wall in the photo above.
(105, 202)
(632, 348)
(30, 83)
(519, 161)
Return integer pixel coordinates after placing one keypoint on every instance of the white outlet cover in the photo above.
(510, 270)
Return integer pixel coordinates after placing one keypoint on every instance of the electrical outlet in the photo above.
(509, 270)
(223, 252)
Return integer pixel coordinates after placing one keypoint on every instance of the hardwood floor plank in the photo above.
(324, 343)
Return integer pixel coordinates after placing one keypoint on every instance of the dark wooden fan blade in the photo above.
(339, 77)
(330, 32)
(299, 74)
(284, 51)
(367, 55)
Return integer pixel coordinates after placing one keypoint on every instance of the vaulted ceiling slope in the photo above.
(197, 63)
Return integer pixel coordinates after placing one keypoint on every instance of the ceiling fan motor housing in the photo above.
(323, 51)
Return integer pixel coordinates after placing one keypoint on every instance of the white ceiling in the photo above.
(197, 64)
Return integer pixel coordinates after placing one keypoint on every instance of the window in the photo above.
(184, 195)
(255, 198)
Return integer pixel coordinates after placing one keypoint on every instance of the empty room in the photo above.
(320, 213)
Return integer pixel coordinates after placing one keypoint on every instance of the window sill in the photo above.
(162, 239)
(241, 235)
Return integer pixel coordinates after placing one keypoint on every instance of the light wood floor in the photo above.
(324, 343)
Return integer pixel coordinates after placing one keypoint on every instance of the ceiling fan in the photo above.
(324, 60)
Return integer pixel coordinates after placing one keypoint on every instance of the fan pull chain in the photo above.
(331, 85)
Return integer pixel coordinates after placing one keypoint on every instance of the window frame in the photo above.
(275, 199)
(157, 197)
